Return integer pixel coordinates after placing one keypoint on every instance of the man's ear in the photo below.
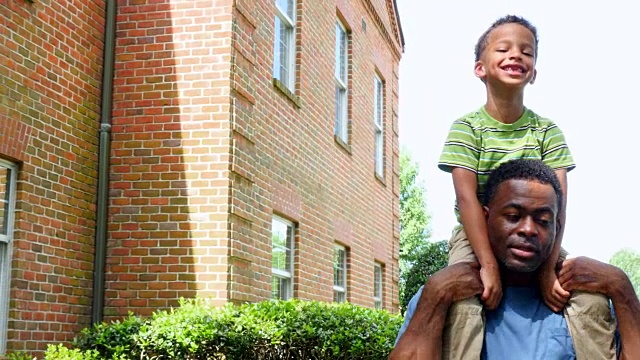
(485, 211)
(533, 79)
(479, 70)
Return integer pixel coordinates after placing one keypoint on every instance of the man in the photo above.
(521, 205)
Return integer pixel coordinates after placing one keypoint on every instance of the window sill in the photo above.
(285, 90)
(342, 144)
(381, 179)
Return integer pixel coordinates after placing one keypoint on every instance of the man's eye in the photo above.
(512, 217)
(543, 221)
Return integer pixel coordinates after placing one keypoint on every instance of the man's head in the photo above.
(507, 51)
(522, 200)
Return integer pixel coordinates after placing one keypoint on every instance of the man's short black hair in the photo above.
(522, 169)
(509, 19)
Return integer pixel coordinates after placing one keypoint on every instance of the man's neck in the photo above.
(519, 279)
(505, 105)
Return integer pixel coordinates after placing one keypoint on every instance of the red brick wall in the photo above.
(205, 149)
(290, 164)
(50, 71)
(168, 231)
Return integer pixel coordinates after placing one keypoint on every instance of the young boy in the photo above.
(504, 129)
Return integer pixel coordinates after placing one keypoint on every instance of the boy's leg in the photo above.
(463, 332)
(591, 324)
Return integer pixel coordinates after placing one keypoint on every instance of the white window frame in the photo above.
(341, 76)
(377, 285)
(284, 68)
(6, 248)
(378, 125)
(340, 291)
(283, 274)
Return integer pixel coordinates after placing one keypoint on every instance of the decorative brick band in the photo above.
(14, 138)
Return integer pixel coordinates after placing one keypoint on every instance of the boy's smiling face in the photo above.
(509, 57)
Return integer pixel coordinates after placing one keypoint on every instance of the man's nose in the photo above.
(527, 227)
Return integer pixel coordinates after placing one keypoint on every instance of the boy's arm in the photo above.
(554, 295)
(465, 184)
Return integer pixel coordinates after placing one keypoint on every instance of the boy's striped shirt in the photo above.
(479, 143)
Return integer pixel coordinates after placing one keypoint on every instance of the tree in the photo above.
(415, 248)
(629, 261)
(430, 258)
(414, 219)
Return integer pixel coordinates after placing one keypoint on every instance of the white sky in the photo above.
(587, 83)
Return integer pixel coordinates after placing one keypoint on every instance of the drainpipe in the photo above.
(97, 308)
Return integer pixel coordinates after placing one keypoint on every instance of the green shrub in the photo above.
(19, 356)
(59, 352)
(292, 329)
(114, 340)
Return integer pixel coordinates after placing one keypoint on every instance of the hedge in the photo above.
(291, 329)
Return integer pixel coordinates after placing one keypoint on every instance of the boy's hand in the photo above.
(553, 294)
(490, 276)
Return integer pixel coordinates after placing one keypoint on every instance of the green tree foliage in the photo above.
(629, 261)
(430, 258)
(414, 225)
(414, 219)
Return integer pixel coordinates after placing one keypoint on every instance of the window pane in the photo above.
(287, 7)
(341, 129)
(341, 53)
(378, 102)
(339, 296)
(5, 175)
(376, 282)
(277, 56)
(378, 154)
(282, 245)
(338, 123)
(285, 43)
(280, 288)
(339, 267)
(282, 235)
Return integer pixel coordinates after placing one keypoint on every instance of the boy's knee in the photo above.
(586, 303)
(470, 306)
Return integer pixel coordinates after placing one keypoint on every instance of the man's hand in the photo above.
(423, 337)
(457, 282)
(591, 275)
(587, 274)
(492, 293)
(552, 292)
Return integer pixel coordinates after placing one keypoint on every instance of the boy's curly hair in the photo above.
(508, 19)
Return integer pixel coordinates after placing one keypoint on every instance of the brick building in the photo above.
(236, 150)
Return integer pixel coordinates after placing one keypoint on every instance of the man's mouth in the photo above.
(524, 250)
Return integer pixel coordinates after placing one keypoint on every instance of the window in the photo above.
(282, 235)
(339, 274)
(341, 76)
(378, 109)
(377, 286)
(284, 43)
(7, 207)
